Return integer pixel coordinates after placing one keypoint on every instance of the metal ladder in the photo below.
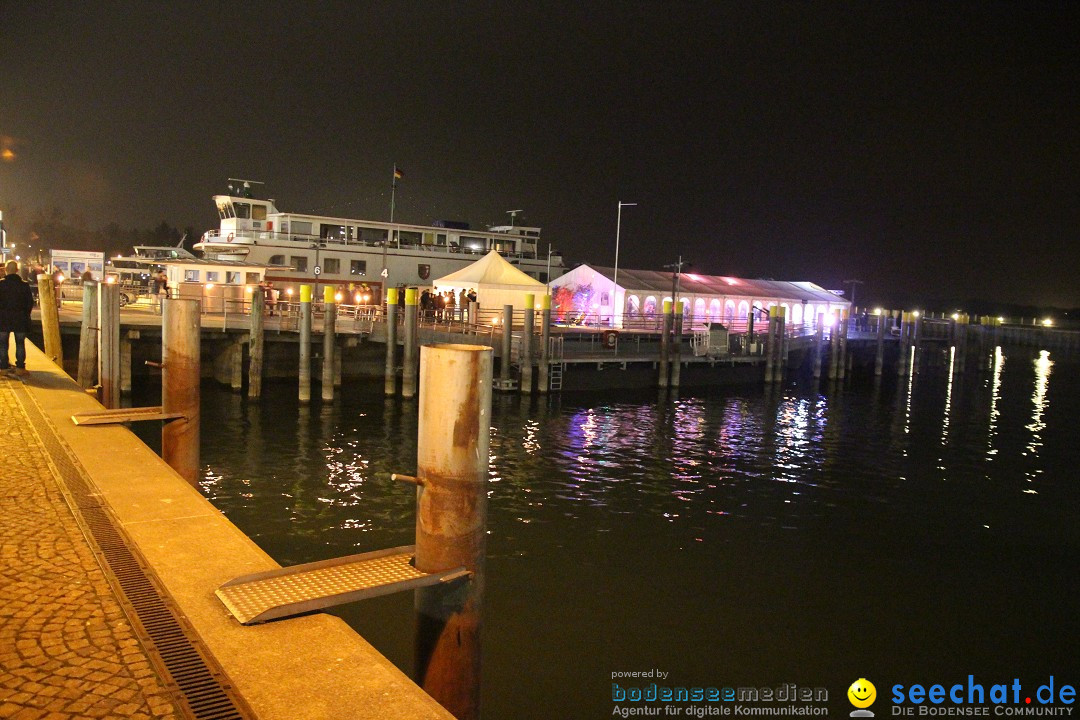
(558, 367)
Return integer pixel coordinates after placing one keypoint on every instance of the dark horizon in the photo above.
(929, 151)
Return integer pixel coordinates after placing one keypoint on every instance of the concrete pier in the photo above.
(69, 643)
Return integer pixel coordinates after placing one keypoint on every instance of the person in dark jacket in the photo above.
(16, 301)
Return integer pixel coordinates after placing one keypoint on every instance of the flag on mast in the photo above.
(397, 173)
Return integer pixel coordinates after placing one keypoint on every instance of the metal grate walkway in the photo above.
(313, 586)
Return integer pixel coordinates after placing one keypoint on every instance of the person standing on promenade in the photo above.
(16, 301)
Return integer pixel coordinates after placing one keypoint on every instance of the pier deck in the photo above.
(82, 634)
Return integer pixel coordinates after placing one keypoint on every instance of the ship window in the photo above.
(212, 276)
(408, 237)
(332, 265)
(358, 267)
(258, 212)
(301, 228)
(191, 276)
(440, 239)
(243, 210)
(232, 277)
(277, 259)
(252, 278)
(298, 263)
(333, 232)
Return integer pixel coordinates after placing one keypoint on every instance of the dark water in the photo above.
(913, 531)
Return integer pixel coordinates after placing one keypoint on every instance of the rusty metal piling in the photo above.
(329, 341)
(451, 520)
(180, 385)
(390, 375)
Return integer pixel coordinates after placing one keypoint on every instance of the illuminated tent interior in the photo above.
(496, 282)
(589, 294)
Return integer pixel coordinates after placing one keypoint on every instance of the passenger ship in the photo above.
(298, 248)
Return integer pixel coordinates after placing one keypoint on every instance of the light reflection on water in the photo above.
(756, 522)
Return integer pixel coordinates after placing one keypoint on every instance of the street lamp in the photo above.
(615, 281)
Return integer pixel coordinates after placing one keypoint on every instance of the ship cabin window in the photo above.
(358, 267)
(191, 276)
(232, 277)
(333, 233)
(440, 239)
(298, 263)
(252, 278)
(225, 211)
(542, 277)
(301, 228)
(332, 266)
(372, 236)
(258, 212)
(213, 276)
(473, 244)
(505, 246)
(243, 210)
(277, 260)
(407, 237)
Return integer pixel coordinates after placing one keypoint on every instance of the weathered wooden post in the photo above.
(526, 345)
(409, 359)
(916, 340)
(545, 342)
(879, 350)
(665, 340)
(834, 346)
(109, 344)
(329, 341)
(960, 359)
(780, 368)
(819, 337)
(305, 344)
(507, 346)
(180, 385)
(451, 520)
(905, 330)
(676, 344)
(390, 376)
(770, 346)
(50, 320)
(842, 322)
(88, 336)
(256, 341)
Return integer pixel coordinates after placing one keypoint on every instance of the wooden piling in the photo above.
(676, 344)
(507, 338)
(390, 375)
(256, 342)
(88, 336)
(109, 344)
(329, 341)
(304, 374)
(905, 330)
(665, 341)
(834, 347)
(526, 346)
(50, 320)
(770, 345)
(451, 520)
(842, 323)
(545, 343)
(879, 350)
(180, 385)
(410, 350)
(819, 337)
(125, 360)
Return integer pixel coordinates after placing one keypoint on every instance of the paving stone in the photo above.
(62, 632)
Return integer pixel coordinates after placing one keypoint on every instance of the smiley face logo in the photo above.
(862, 693)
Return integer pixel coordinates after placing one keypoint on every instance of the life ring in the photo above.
(611, 339)
(230, 238)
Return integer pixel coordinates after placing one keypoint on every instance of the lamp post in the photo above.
(615, 281)
(853, 283)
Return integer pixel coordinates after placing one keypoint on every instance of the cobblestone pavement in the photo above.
(66, 647)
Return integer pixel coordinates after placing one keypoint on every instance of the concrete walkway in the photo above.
(66, 648)
(67, 645)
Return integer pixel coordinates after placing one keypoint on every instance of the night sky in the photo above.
(928, 149)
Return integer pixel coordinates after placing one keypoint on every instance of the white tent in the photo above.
(496, 282)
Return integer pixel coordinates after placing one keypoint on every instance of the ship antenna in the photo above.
(246, 187)
(513, 214)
